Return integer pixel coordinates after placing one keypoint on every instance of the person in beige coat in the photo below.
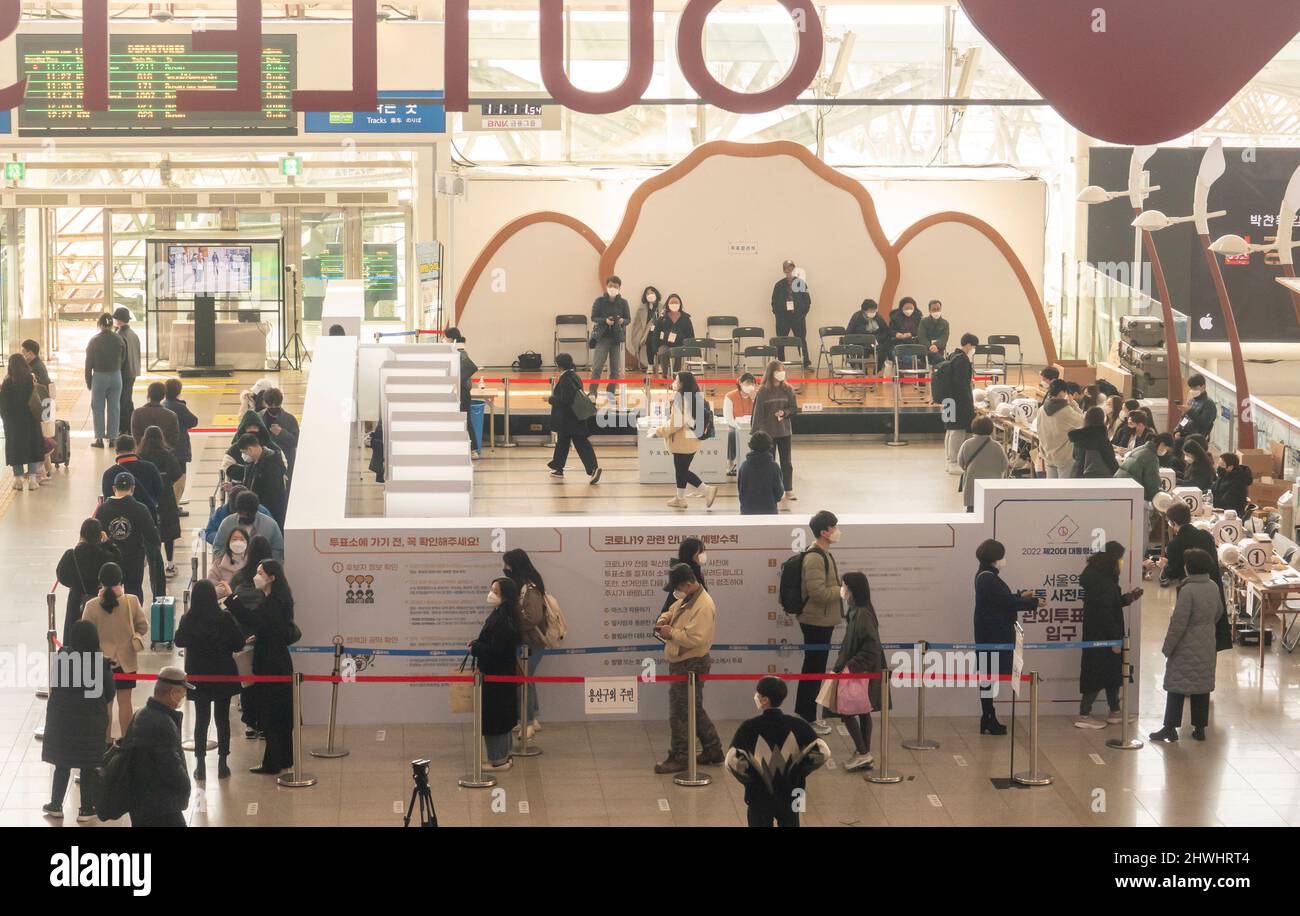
(823, 610)
(686, 630)
(123, 628)
(682, 435)
(1057, 417)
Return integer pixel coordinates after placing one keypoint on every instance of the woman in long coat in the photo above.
(569, 428)
(860, 651)
(496, 651)
(210, 637)
(78, 569)
(1102, 668)
(76, 719)
(996, 610)
(269, 623)
(1190, 648)
(20, 411)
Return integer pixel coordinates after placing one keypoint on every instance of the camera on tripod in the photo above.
(420, 773)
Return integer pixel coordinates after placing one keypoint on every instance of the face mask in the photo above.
(779, 376)
(747, 389)
(909, 312)
(702, 558)
(677, 386)
(871, 316)
(238, 547)
(493, 599)
(260, 581)
(674, 306)
(758, 701)
(833, 535)
(246, 457)
(612, 291)
(506, 572)
(999, 564)
(652, 298)
(679, 595)
(935, 314)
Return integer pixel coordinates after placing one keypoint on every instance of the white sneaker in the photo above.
(169, 571)
(531, 731)
(790, 495)
(676, 503)
(504, 765)
(536, 725)
(710, 494)
(821, 726)
(1088, 722)
(954, 470)
(859, 761)
(1115, 719)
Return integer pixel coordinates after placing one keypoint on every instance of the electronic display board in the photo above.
(145, 73)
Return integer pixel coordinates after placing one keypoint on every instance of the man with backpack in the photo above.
(951, 388)
(810, 590)
(159, 783)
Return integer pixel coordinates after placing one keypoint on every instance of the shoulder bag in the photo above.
(461, 695)
(961, 481)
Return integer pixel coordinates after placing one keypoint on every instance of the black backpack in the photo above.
(941, 386)
(791, 588)
(705, 424)
(113, 796)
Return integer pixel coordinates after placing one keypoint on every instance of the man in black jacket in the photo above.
(467, 369)
(610, 317)
(867, 320)
(759, 480)
(1198, 416)
(131, 528)
(958, 414)
(284, 425)
(264, 475)
(791, 303)
(1185, 536)
(160, 784)
(130, 363)
(155, 414)
(145, 473)
(772, 755)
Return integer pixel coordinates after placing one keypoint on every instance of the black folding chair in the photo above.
(570, 331)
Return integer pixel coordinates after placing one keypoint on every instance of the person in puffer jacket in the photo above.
(1054, 422)
(1143, 464)
(1231, 487)
(1094, 456)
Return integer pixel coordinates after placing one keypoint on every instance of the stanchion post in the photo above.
(920, 742)
(897, 384)
(884, 775)
(476, 779)
(42, 692)
(329, 751)
(297, 779)
(506, 441)
(1033, 777)
(1126, 740)
(522, 748)
(693, 775)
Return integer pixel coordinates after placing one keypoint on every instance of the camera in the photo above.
(420, 770)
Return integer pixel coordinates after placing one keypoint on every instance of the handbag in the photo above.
(854, 697)
(462, 695)
(581, 406)
(244, 665)
(961, 481)
(826, 696)
(295, 634)
(528, 361)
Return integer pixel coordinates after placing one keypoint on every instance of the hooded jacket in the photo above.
(1142, 465)
(1231, 489)
(1055, 420)
(1094, 456)
(759, 483)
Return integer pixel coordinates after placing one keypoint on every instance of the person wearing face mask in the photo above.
(1101, 668)
(1116, 415)
(210, 636)
(76, 718)
(681, 435)
(996, 609)
(283, 427)
(1122, 434)
(496, 651)
(518, 567)
(774, 408)
(1053, 424)
(674, 327)
(642, 338)
(758, 482)
(932, 333)
(268, 624)
(123, 629)
(686, 630)
(1143, 464)
(860, 652)
(467, 369)
(980, 458)
(131, 529)
(1141, 427)
(823, 611)
(960, 410)
(79, 567)
(609, 320)
(791, 303)
(1200, 412)
(229, 561)
(224, 510)
(1231, 487)
(690, 552)
(772, 755)
(867, 320)
(249, 517)
(905, 325)
(263, 474)
(569, 428)
(161, 786)
(738, 403)
(1191, 646)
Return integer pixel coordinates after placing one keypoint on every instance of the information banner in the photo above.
(398, 112)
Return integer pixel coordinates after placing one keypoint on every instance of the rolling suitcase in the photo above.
(162, 622)
(62, 443)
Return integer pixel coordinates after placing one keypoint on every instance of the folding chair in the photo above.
(756, 358)
(836, 331)
(718, 329)
(698, 364)
(567, 331)
(785, 343)
(910, 362)
(846, 363)
(994, 361)
(1010, 340)
(682, 357)
(738, 337)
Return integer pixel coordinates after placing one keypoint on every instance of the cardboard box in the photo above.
(1259, 460)
(1268, 490)
(1077, 370)
(1279, 458)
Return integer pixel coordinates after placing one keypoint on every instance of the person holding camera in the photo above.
(610, 317)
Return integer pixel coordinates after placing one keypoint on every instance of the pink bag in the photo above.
(853, 698)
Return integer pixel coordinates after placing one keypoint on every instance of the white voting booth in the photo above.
(344, 305)
(427, 577)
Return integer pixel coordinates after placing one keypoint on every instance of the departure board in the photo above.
(145, 73)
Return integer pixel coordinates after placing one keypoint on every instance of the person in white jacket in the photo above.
(1054, 421)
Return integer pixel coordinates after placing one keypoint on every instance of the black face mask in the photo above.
(507, 573)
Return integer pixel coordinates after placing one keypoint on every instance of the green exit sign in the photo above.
(291, 167)
(15, 171)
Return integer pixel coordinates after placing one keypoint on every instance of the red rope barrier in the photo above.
(556, 679)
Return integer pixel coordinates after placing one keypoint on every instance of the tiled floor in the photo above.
(1248, 773)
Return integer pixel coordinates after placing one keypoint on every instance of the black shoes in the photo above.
(223, 769)
(98, 443)
(200, 770)
(710, 758)
(265, 770)
(1168, 733)
(1198, 733)
(991, 726)
(595, 476)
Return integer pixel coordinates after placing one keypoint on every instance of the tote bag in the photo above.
(826, 696)
(853, 697)
(462, 695)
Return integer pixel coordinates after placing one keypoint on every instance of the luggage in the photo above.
(528, 361)
(1142, 331)
(62, 443)
(162, 621)
(1146, 360)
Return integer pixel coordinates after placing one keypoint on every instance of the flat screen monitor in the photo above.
(209, 270)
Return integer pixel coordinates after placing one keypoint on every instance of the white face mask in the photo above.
(679, 595)
(747, 389)
(612, 291)
(936, 314)
(779, 376)
(651, 298)
(493, 599)
(246, 457)
(677, 386)
(999, 564)
(871, 316)
(702, 557)
(674, 306)
(909, 312)
(758, 701)
(238, 547)
(833, 535)
(260, 581)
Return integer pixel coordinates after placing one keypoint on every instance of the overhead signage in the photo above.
(515, 113)
(417, 112)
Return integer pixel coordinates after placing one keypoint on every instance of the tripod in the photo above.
(428, 816)
(295, 349)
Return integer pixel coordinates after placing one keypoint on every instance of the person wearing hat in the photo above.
(130, 364)
(248, 513)
(105, 356)
(131, 529)
(1101, 668)
(160, 781)
(467, 369)
(791, 303)
(772, 755)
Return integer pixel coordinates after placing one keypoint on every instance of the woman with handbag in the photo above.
(20, 411)
(78, 569)
(123, 627)
(518, 568)
(860, 652)
(268, 623)
(76, 719)
(496, 651)
(210, 637)
(571, 415)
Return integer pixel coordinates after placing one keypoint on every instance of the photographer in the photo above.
(609, 320)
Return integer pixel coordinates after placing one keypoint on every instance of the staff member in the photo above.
(791, 303)
(736, 405)
(568, 426)
(686, 630)
(958, 415)
(1200, 413)
(609, 320)
(774, 409)
(996, 608)
(867, 320)
(905, 325)
(674, 327)
(643, 336)
(933, 333)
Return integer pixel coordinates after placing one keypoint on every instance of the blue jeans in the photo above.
(534, 659)
(498, 747)
(32, 468)
(106, 397)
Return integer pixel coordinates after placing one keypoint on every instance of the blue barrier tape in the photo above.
(1007, 646)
